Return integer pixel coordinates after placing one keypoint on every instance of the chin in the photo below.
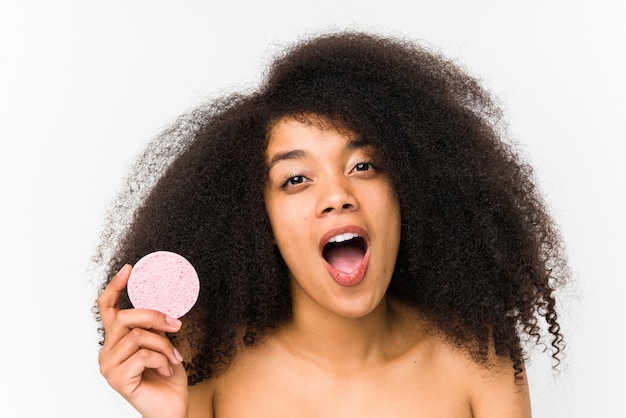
(358, 308)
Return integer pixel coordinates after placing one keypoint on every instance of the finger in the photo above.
(129, 374)
(107, 301)
(128, 319)
(135, 340)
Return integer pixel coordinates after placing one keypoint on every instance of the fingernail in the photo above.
(123, 269)
(172, 321)
(177, 354)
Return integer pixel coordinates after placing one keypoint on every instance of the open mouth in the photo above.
(345, 252)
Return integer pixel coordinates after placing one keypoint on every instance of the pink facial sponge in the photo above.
(164, 281)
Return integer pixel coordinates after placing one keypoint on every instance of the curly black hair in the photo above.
(479, 256)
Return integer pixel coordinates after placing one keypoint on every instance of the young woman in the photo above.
(367, 246)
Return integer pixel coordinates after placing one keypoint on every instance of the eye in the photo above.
(363, 166)
(292, 180)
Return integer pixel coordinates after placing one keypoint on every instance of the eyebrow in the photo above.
(298, 153)
(289, 155)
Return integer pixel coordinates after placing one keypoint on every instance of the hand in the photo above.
(137, 359)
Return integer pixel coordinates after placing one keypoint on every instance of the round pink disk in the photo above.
(164, 281)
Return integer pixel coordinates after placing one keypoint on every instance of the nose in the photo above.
(336, 195)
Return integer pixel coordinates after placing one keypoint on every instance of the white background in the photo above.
(84, 85)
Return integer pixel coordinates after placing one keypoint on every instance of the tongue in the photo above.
(345, 258)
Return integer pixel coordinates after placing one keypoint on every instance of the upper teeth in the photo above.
(343, 237)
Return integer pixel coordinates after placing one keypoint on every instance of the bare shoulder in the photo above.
(231, 384)
(245, 388)
(492, 390)
(201, 399)
(496, 392)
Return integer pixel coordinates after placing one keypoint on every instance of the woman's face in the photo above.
(334, 216)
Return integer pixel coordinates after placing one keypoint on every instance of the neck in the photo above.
(341, 343)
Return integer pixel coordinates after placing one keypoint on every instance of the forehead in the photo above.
(292, 131)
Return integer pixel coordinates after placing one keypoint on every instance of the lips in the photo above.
(345, 251)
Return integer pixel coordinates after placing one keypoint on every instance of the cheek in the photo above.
(393, 220)
(290, 226)
(394, 203)
(284, 221)
(273, 210)
(386, 203)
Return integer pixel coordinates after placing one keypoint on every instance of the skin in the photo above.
(349, 350)
(321, 185)
(137, 359)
